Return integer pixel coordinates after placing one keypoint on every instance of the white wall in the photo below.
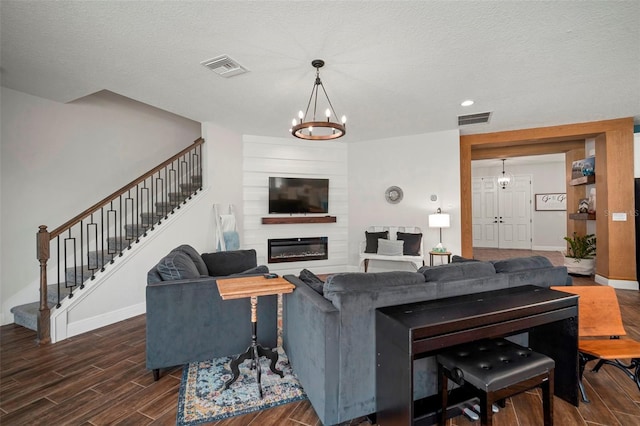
(421, 165)
(290, 157)
(59, 159)
(548, 227)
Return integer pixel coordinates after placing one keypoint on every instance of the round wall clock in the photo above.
(393, 194)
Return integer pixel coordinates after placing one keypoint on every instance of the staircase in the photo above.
(86, 245)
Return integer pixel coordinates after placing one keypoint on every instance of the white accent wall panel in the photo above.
(289, 157)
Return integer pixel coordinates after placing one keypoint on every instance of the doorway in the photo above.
(502, 216)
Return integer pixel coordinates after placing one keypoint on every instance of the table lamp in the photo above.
(439, 220)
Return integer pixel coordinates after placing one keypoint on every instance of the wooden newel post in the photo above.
(44, 315)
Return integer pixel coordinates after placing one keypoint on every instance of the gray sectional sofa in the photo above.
(330, 337)
(188, 321)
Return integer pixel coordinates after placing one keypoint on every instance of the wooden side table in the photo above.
(439, 253)
(252, 287)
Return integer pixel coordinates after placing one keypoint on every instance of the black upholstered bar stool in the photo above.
(496, 369)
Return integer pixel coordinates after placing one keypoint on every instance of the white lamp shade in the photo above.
(439, 220)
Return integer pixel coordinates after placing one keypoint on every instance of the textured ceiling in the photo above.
(394, 68)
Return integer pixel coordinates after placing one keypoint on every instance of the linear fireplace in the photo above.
(298, 249)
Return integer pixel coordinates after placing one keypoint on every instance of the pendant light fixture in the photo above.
(307, 126)
(504, 180)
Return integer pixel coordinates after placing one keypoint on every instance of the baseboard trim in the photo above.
(620, 284)
(90, 324)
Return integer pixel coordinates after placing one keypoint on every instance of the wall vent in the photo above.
(224, 66)
(481, 117)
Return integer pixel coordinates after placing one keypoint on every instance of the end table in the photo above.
(439, 253)
(252, 287)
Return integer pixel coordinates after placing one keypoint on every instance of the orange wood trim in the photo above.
(524, 149)
(614, 146)
(550, 134)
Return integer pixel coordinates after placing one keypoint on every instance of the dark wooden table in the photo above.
(408, 332)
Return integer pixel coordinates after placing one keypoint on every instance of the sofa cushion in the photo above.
(390, 247)
(372, 240)
(195, 256)
(177, 266)
(355, 282)
(412, 243)
(312, 280)
(229, 262)
(458, 259)
(457, 271)
(521, 264)
(260, 269)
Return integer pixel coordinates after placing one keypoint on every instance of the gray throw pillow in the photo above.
(177, 266)
(390, 247)
(260, 269)
(522, 264)
(372, 240)
(458, 259)
(195, 256)
(312, 280)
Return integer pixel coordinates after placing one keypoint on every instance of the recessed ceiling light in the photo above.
(466, 103)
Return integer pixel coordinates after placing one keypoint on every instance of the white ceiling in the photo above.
(393, 67)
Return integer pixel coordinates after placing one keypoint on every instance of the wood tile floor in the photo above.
(100, 378)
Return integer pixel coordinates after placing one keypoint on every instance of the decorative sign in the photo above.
(551, 202)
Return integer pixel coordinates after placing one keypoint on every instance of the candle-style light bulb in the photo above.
(327, 112)
(344, 119)
(294, 122)
(300, 114)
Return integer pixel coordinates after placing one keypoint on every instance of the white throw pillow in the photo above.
(390, 247)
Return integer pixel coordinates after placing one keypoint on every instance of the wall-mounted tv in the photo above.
(298, 195)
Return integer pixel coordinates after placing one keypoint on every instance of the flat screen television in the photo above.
(298, 195)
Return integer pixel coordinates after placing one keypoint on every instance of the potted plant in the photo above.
(580, 255)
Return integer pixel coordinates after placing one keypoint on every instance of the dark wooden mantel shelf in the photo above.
(298, 219)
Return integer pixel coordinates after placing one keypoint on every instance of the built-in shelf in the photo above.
(582, 216)
(298, 219)
(583, 180)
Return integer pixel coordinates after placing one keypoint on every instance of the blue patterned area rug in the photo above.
(202, 398)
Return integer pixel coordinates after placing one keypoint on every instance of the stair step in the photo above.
(119, 243)
(101, 257)
(164, 208)
(79, 274)
(135, 230)
(52, 293)
(178, 197)
(150, 218)
(189, 187)
(27, 315)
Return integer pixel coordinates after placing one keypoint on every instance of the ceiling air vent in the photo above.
(224, 66)
(481, 117)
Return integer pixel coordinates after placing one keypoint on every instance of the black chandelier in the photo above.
(311, 128)
(505, 179)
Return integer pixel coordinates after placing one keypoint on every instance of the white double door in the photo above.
(502, 216)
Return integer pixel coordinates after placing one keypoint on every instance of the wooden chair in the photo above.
(600, 330)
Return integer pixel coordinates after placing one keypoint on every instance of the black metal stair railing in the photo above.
(84, 246)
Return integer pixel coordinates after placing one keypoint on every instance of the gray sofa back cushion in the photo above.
(522, 264)
(457, 271)
(356, 282)
(195, 257)
(224, 263)
(177, 266)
